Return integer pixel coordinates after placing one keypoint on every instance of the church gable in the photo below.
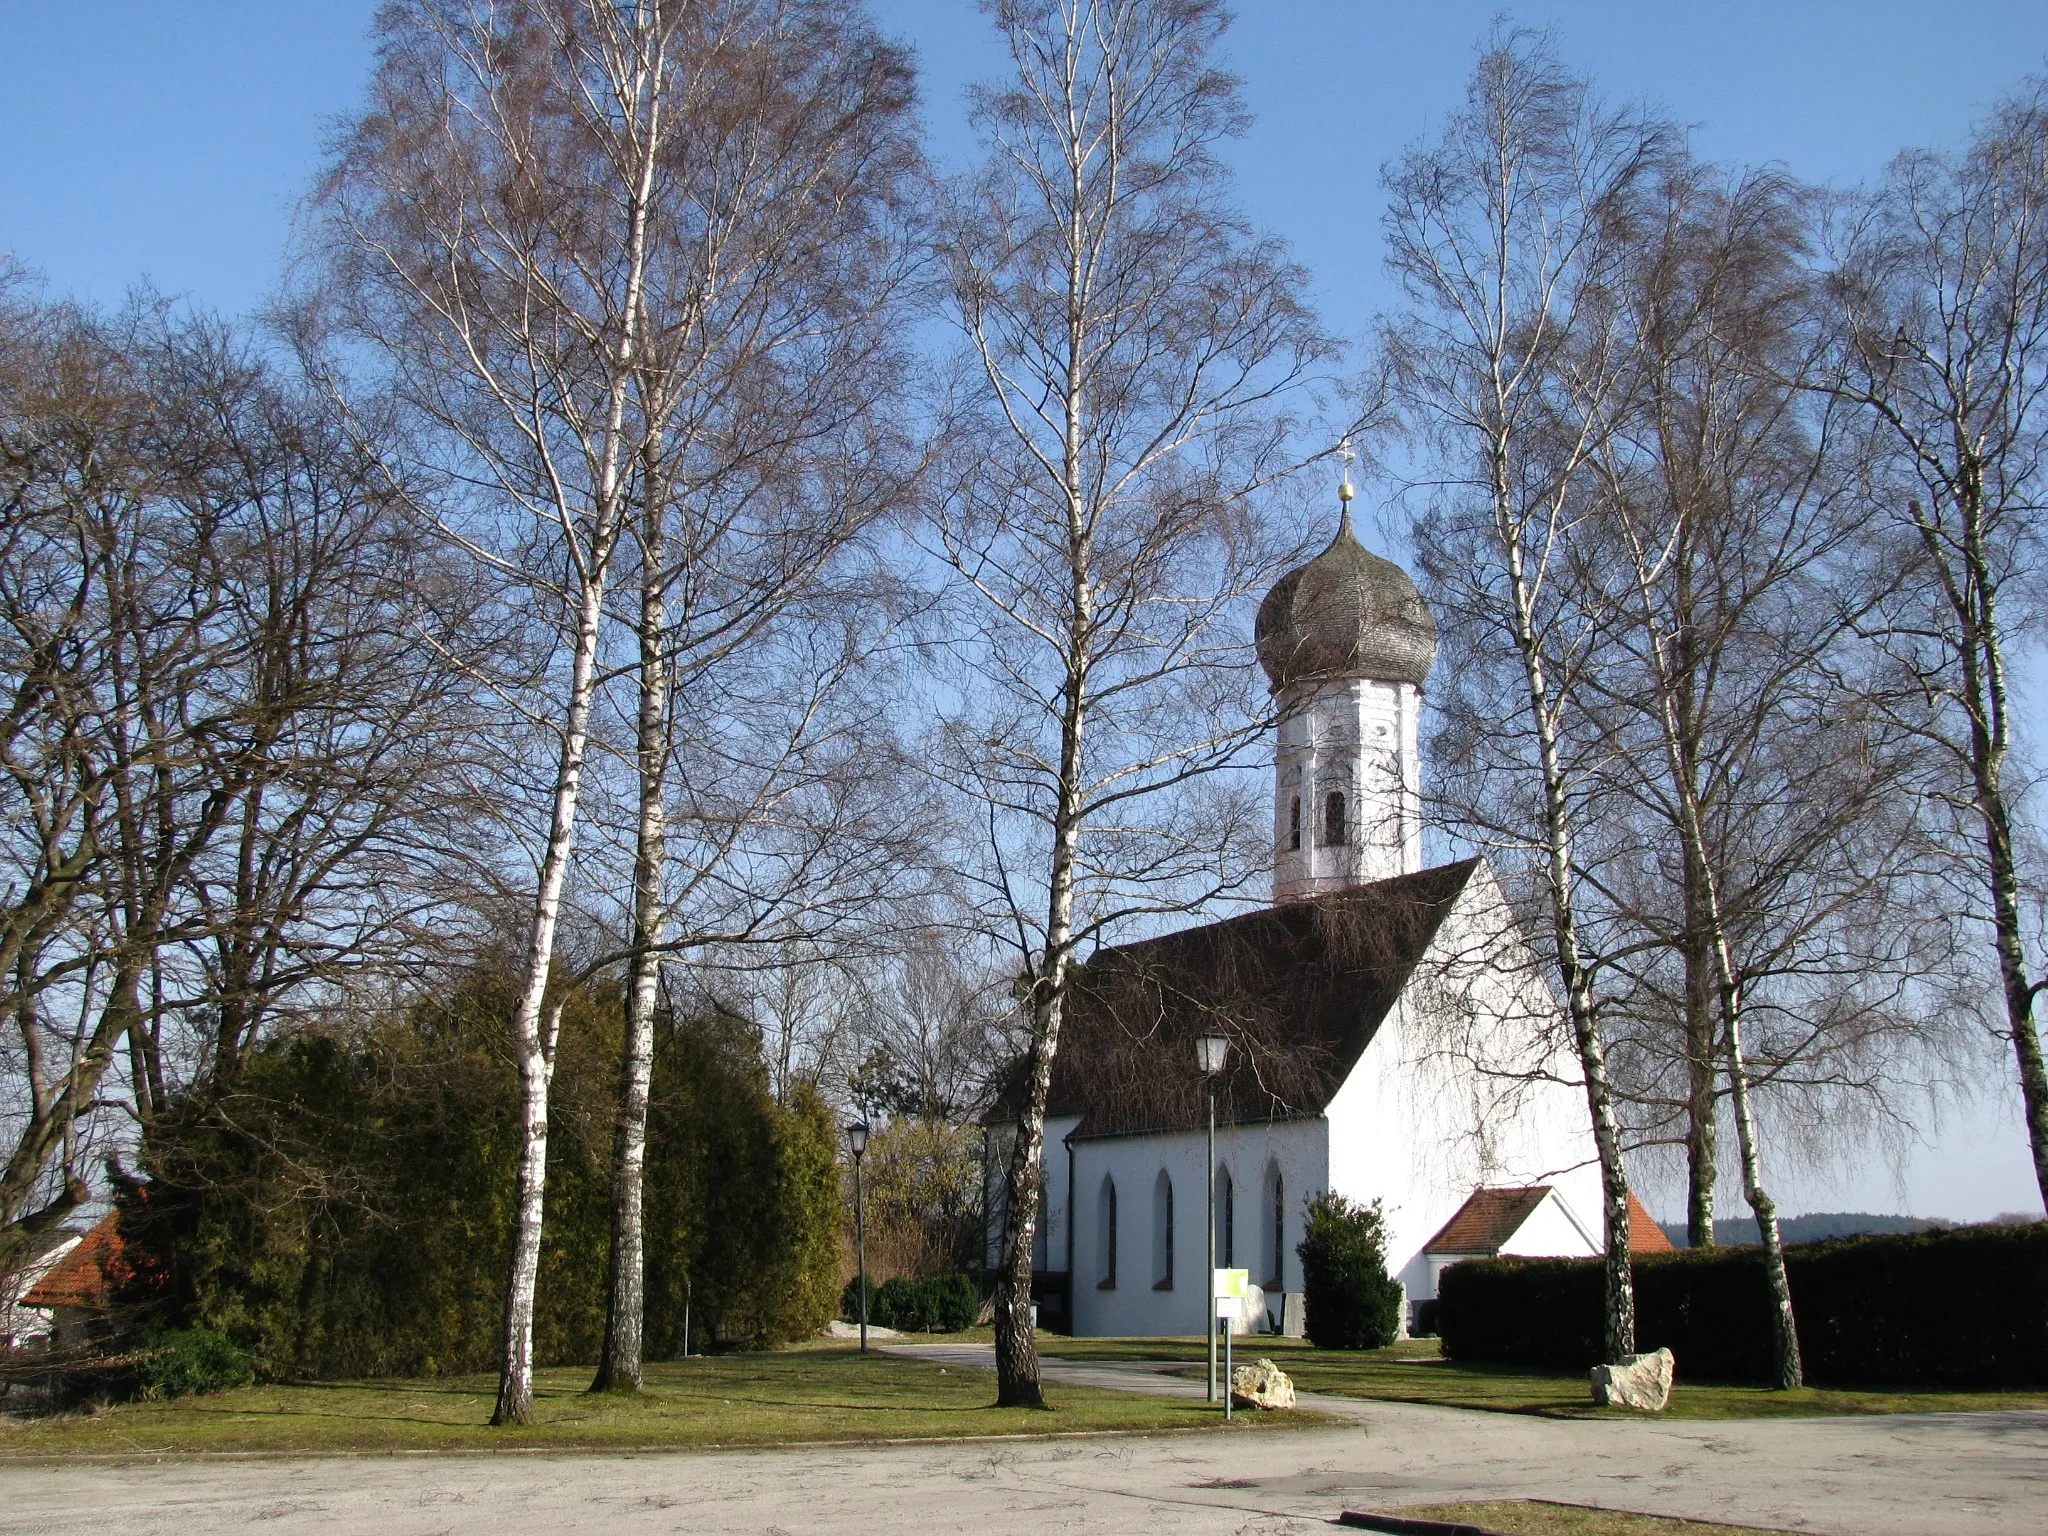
(1299, 989)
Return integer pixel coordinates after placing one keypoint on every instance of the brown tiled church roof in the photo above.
(1300, 990)
(1644, 1235)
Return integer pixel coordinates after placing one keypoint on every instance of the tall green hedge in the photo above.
(345, 1210)
(1967, 1307)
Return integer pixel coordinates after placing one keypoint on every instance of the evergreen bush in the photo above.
(1351, 1301)
(344, 1209)
(190, 1362)
(935, 1304)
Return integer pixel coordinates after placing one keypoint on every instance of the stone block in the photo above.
(1262, 1384)
(1640, 1381)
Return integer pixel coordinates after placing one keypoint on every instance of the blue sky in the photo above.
(171, 139)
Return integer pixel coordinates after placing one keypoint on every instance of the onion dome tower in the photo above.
(1347, 643)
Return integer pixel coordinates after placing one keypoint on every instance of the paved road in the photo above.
(1956, 1474)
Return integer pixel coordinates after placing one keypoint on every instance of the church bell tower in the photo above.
(1348, 643)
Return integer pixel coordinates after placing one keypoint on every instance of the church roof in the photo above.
(1347, 613)
(1300, 989)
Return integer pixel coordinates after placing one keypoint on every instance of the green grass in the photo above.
(1540, 1517)
(1413, 1372)
(783, 1397)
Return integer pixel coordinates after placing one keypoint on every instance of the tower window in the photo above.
(1294, 823)
(1333, 819)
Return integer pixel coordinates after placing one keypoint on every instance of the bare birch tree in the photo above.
(1942, 295)
(1132, 351)
(492, 225)
(1504, 235)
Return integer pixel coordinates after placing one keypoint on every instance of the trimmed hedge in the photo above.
(1967, 1307)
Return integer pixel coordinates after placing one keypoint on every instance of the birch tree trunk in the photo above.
(1133, 345)
(619, 1368)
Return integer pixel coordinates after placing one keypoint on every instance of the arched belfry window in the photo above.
(1333, 818)
(1105, 1234)
(1294, 822)
(1276, 1249)
(1162, 1232)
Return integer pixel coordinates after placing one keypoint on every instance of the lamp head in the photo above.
(857, 1137)
(1211, 1048)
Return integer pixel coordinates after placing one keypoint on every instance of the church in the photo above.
(1388, 1033)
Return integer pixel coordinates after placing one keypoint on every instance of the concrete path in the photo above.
(1957, 1474)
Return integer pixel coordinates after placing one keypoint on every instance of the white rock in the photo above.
(1262, 1384)
(836, 1329)
(1640, 1381)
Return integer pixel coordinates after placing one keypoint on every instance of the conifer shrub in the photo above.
(190, 1362)
(1351, 1301)
(343, 1209)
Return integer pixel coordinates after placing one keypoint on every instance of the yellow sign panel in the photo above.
(1232, 1283)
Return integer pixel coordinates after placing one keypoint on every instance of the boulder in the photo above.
(1640, 1381)
(1262, 1384)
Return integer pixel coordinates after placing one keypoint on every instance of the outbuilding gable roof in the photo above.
(1299, 989)
(82, 1278)
(1485, 1222)
(1491, 1217)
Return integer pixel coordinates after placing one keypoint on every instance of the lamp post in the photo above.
(1211, 1049)
(857, 1139)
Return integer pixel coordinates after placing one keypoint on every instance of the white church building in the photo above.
(1392, 1037)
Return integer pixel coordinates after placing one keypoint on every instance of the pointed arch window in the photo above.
(1276, 1237)
(1105, 1233)
(1226, 1219)
(1294, 824)
(1162, 1232)
(1334, 831)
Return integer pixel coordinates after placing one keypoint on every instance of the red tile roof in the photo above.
(1487, 1220)
(80, 1278)
(1644, 1235)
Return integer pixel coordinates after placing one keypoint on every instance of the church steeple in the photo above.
(1348, 643)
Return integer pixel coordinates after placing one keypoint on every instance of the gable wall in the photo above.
(1442, 1101)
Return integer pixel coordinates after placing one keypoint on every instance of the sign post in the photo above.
(1228, 1287)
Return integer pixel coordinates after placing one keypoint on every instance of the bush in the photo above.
(940, 1304)
(1967, 1307)
(190, 1362)
(344, 1209)
(849, 1299)
(1351, 1302)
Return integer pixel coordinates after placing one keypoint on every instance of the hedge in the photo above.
(1966, 1307)
(938, 1304)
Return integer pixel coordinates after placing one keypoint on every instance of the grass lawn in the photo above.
(1413, 1372)
(779, 1397)
(1539, 1517)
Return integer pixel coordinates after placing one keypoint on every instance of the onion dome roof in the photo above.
(1347, 613)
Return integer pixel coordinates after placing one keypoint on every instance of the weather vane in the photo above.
(1344, 490)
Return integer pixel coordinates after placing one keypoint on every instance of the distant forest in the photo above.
(1809, 1229)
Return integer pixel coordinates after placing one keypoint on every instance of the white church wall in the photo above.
(1050, 1243)
(1459, 1091)
(1251, 1155)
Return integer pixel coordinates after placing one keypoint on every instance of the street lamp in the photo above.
(1212, 1048)
(857, 1139)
